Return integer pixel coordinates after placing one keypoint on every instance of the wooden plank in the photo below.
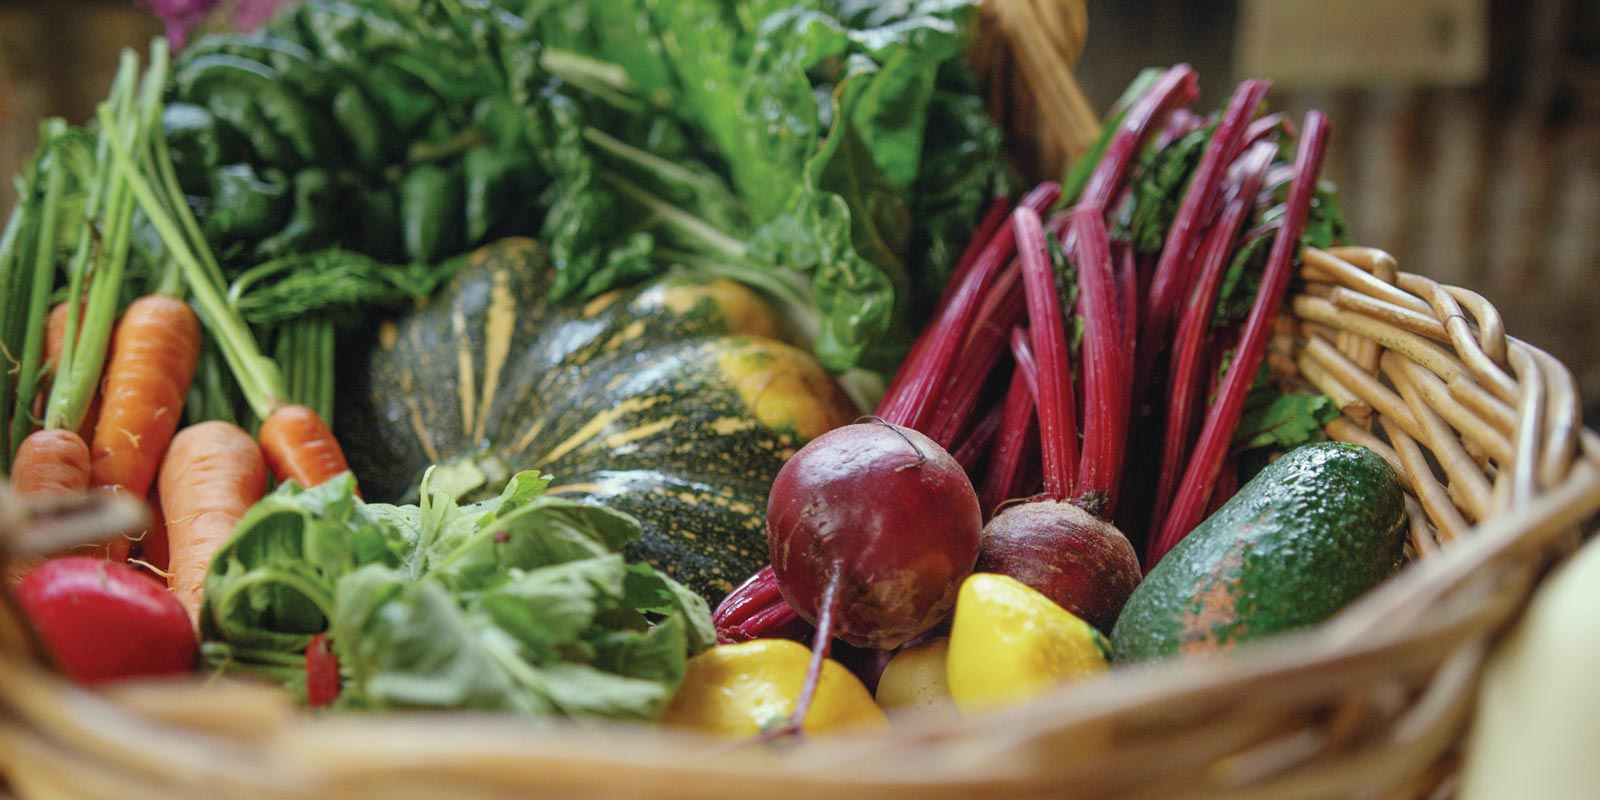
(1360, 42)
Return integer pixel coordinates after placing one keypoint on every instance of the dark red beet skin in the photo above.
(887, 513)
(104, 621)
(1070, 556)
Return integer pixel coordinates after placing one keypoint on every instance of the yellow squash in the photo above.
(740, 690)
(1010, 643)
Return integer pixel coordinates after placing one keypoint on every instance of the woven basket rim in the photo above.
(1432, 624)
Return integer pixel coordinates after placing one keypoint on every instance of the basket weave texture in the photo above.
(1501, 480)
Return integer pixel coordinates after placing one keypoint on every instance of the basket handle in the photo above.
(1024, 57)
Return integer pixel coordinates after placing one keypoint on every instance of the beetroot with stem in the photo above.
(1076, 559)
(870, 528)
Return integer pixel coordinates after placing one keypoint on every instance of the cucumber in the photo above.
(1310, 533)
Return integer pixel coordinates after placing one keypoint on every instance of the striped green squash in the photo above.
(673, 401)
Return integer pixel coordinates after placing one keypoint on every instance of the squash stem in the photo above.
(1199, 478)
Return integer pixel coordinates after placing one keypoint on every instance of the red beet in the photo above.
(877, 523)
(1069, 555)
(103, 621)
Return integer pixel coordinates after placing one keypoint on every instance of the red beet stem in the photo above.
(1058, 427)
(985, 343)
(819, 651)
(1127, 308)
(994, 218)
(914, 399)
(1104, 395)
(1261, 129)
(1188, 390)
(1178, 86)
(976, 442)
(1200, 477)
(1199, 201)
(1011, 444)
(757, 591)
(988, 226)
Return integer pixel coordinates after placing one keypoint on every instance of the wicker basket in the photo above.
(1501, 479)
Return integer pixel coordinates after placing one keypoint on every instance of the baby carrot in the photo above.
(211, 476)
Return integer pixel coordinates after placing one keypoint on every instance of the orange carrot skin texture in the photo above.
(55, 339)
(153, 356)
(153, 546)
(212, 474)
(51, 463)
(300, 447)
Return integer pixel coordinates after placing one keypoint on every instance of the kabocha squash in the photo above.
(674, 401)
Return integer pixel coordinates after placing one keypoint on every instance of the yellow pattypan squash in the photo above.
(740, 690)
(1008, 643)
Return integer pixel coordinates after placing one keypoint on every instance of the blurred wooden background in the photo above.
(1466, 132)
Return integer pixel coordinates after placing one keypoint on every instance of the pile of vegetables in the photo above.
(1146, 285)
(623, 212)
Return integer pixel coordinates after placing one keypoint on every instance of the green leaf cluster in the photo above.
(521, 603)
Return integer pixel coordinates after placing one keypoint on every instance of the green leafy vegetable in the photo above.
(832, 155)
(1282, 420)
(520, 603)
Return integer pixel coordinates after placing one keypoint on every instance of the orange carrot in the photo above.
(299, 447)
(55, 338)
(153, 356)
(51, 463)
(211, 475)
(153, 546)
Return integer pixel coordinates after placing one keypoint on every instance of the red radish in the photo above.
(1081, 562)
(105, 621)
(322, 673)
(871, 528)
